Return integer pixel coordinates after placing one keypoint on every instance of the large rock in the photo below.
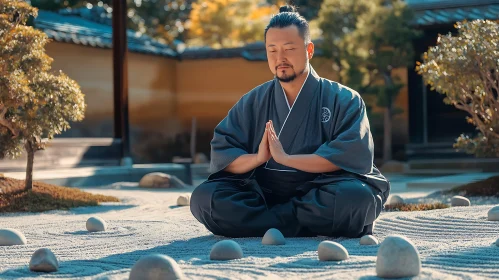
(184, 200)
(160, 180)
(331, 251)
(497, 242)
(368, 240)
(273, 237)
(226, 250)
(43, 260)
(397, 258)
(9, 237)
(493, 214)
(458, 200)
(154, 267)
(96, 224)
(394, 199)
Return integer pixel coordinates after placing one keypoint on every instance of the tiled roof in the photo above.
(252, 52)
(434, 12)
(441, 4)
(77, 30)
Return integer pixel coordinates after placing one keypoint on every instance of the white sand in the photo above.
(455, 243)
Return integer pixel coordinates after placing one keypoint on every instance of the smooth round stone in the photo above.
(493, 214)
(184, 200)
(397, 258)
(96, 224)
(156, 180)
(9, 237)
(332, 251)
(273, 237)
(368, 240)
(43, 260)
(395, 199)
(156, 266)
(226, 250)
(459, 201)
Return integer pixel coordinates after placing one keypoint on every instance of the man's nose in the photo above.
(281, 57)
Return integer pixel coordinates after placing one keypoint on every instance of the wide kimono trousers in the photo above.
(327, 119)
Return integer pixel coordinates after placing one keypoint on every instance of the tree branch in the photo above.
(481, 126)
(5, 123)
(488, 83)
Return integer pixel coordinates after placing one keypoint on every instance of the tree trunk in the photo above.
(387, 119)
(29, 168)
(387, 136)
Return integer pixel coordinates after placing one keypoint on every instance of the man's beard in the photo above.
(288, 78)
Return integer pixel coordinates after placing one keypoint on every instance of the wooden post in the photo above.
(193, 138)
(120, 79)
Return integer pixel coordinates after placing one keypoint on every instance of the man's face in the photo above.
(287, 53)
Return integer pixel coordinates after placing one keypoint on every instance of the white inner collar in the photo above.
(284, 92)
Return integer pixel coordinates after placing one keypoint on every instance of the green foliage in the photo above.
(228, 23)
(465, 68)
(35, 102)
(366, 40)
(161, 19)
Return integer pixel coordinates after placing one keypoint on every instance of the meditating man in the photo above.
(295, 153)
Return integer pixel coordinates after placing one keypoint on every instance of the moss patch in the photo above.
(415, 207)
(44, 197)
(487, 187)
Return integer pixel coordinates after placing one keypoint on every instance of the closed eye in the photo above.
(291, 49)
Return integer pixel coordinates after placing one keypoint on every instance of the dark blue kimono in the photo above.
(326, 119)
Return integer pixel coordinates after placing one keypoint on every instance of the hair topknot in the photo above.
(287, 9)
(288, 16)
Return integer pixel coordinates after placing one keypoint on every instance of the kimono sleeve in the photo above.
(231, 136)
(350, 145)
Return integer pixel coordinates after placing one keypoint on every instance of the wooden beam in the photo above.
(120, 79)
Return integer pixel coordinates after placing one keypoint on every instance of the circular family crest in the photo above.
(326, 114)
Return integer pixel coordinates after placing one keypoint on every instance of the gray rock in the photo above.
(493, 214)
(332, 251)
(156, 266)
(226, 250)
(9, 237)
(160, 180)
(394, 199)
(184, 200)
(96, 224)
(368, 240)
(273, 237)
(497, 242)
(43, 260)
(458, 200)
(397, 258)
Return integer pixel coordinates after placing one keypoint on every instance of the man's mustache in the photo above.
(281, 65)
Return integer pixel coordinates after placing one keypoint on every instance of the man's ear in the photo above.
(310, 50)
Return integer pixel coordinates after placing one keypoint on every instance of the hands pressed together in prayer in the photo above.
(270, 146)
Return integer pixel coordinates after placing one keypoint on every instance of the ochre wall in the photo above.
(164, 94)
(151, 80)
(207, 89)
